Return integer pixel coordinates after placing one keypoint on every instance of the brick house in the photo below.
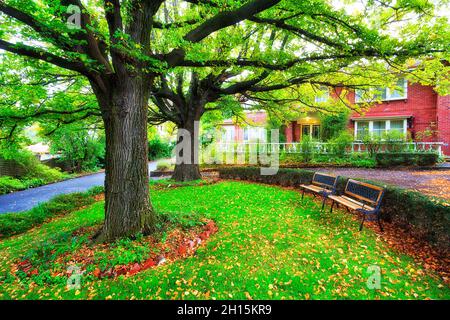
(412, 111)
(252, 132)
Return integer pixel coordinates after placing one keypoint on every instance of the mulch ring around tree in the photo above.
(124, 257)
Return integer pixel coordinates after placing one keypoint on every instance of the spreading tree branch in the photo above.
(40, 54)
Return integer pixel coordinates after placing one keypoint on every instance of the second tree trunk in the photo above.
(187, 167)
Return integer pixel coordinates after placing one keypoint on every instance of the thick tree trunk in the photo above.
(128, 210)
(187, 168)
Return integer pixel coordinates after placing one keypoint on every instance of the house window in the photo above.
(362, 128)
(315, 132)
(229, 134)
(377, 128)
(311, 130)
(254, 134)
(398, 125)
(306, 130)
(400, 92)
(322, 96)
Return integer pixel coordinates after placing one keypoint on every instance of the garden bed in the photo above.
(59, 257)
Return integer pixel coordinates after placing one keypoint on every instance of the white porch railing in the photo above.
(326, 148)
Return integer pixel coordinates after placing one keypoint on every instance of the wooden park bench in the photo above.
(322, 184)
(362, 197)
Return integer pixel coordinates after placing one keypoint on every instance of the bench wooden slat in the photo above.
(349, 203)
(314, 188)
(323, 184)
(361, 196)
(368, 187)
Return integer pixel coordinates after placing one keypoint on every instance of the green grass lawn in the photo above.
(269, 246)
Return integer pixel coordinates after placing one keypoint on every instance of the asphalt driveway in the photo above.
(27, 199)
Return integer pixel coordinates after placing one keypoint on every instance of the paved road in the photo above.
(27, 199)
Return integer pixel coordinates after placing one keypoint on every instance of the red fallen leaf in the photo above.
(24, 262)
(211, 227)
(120, 270)
(97, 273)
(182, 249)
(34, 272)
(148, 264)
(204, 235)
(24, 265)
(108, 273)
(135, 268)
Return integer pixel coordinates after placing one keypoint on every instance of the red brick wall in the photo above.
(288, 132)
(443, 122)
(292, 132)
(420, 103)
(259, 117)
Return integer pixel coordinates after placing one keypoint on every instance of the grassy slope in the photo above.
(269, 246)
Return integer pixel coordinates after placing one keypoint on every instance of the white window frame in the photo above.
(388, 91)
(323, 97)
(387, 126)
(255, 134)
(229, 131)
(311, 126)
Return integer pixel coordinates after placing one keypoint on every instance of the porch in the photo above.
(326, 147)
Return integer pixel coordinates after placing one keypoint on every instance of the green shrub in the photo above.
(44, 173)
(284, 177)
(33, 168)
(158, 149)
(362, 160)
(341, 143)
(34, 173)
(307, 146)
(16, 223)
(424, 217)
(10, 184)
(394, 141)
(333, 124)
(407, 159)
(372, 143)
(80, 149)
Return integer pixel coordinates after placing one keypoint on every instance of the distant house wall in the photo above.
(443, 121)
(236, 133)
(423, 110)
(419, 107)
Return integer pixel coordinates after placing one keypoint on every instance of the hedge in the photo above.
(16, 223)
(406, 159)
(423, 217)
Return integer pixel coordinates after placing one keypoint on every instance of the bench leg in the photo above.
(303, 193)
(323, 203)
(379, 223)
(332, 205)
(362, 222)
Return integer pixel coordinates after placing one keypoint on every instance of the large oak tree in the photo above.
(121, 47)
